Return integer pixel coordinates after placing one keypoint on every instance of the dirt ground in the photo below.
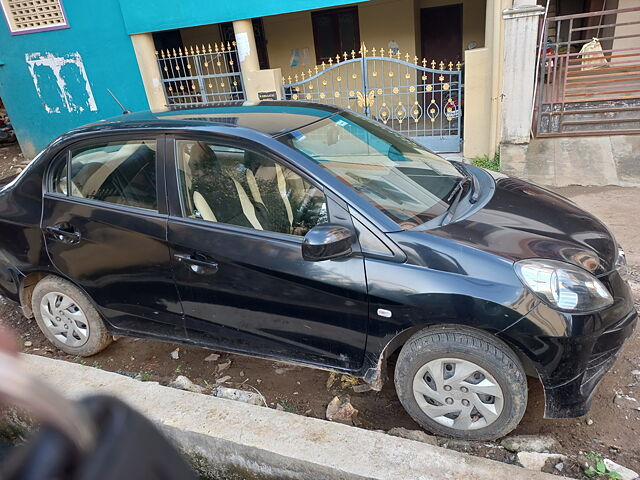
(612, 427)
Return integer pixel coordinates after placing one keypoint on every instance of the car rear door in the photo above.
(238, 216)
(105, 223)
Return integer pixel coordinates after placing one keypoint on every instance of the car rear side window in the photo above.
(245, 188)
(122, 173)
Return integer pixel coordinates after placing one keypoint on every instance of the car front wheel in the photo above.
(461, 383)
(68, 318)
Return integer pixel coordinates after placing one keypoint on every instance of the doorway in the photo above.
(441, 33)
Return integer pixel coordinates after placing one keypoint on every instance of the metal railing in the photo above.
(589, 74)
(196, 76)
(419, 99)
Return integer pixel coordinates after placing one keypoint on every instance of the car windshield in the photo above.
(405, 181)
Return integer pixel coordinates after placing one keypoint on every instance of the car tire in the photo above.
(461, 383)
(68, 318)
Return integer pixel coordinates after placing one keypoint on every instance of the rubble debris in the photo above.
(183, 383)
(536, 460)
(239, 395)
(528, 443)
(623, 472)
(223, 366)
(212, 358)
(341, 411)
(176, 354)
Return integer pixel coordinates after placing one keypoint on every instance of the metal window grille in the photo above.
(25, 16)
(589, 74)
(196, 76)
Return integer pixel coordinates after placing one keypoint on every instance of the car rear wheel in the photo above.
(461, 383)
(68, 318)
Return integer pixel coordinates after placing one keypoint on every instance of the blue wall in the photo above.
(97, 34)
(53, 81)
(142, 16)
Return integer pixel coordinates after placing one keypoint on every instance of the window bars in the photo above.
(196, 76)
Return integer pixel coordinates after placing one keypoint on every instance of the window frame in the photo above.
(4, 5)
(175, 191)
(65, 154)
(334, 13)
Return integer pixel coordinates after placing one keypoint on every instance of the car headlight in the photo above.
(621, 265)
(563, 286)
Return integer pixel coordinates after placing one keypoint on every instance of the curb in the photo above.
(229, 439)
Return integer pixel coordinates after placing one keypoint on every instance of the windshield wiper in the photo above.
(456, 196)
(475, 186)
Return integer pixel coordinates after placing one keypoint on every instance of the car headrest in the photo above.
(203, 159)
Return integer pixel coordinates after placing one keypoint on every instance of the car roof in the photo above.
(269, 117)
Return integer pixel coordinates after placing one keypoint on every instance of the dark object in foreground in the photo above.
(127, 447)
(310, 234)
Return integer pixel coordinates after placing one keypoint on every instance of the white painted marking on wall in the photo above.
(242, 43)
(55, 64)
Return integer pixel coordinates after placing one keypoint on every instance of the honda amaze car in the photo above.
(309, 234)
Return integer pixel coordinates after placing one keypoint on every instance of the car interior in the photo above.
(123, 174)
(241, 187)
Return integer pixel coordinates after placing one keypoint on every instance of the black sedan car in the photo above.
(310, 234)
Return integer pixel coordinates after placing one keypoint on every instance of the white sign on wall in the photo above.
(242, 42)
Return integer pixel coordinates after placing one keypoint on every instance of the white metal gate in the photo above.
(421, 100)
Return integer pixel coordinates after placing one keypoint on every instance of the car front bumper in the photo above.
(573, 399)
(571, 353)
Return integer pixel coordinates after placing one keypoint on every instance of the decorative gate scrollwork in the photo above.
(421, 100)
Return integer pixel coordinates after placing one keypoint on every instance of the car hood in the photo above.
(523, 220)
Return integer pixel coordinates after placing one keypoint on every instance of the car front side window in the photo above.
(121, 172)
(244, 188)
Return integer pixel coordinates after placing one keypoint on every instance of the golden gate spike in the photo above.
(441, 65)
(382, 52)
(373, 51)
(406, 57)
(353, 54)
(302, 75)
(330, 61)
(433, 64)
(458, 65)
(323, 65)
(450, 65)
(424, 62)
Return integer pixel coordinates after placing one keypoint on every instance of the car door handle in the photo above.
(198, 265)
(65, 235)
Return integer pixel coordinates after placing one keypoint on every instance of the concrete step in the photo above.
(591, 117)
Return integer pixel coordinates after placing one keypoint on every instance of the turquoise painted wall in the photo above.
(53, 81)
(96, 41)
(142, 16)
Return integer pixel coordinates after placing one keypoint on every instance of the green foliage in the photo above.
(287, 408)
(599, 469)
(488, 163)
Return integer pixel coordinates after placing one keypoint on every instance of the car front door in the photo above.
(236, 228)
(105, 223)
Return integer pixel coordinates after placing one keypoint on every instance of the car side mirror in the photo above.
(327, 241)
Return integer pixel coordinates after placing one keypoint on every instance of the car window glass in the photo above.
(59, 179)
(122, 172)
(244, 188)
(405, 181)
